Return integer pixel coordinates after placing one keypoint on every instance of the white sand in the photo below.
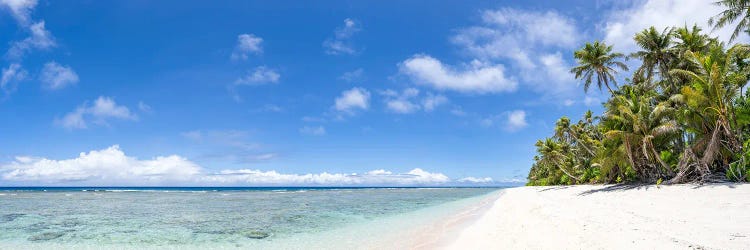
(610, 217)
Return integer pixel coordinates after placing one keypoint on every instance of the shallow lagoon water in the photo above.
(215, 218)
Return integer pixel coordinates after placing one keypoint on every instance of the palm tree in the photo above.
(709, 100)
(553, 153)
(640, 125)
(597, 60)
(691, 39)
(733, 10)
(656, 54)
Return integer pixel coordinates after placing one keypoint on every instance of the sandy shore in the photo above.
(613, 217)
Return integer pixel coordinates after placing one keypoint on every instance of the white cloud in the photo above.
(559, 81)
(10, 77)
(352, 76)
(352, 100)
(316, 131)
(40, 39)
(103, 109)
(55, 76)
(401, 106)
(475, 78)
(622, 24)
(20, 9)
(476, 180)
(407, 101)
(430, 102)
(247, 44)
(401, 103)
(512, 120)
(341, 42)
(261, 75)
(531, 41)
(377, 177)
(111, 166)
(516, 120)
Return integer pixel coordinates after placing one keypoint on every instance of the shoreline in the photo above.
(712, 216)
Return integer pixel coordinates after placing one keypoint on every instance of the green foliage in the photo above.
(740, 169)
(681, 118)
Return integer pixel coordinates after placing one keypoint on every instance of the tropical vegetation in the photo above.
(682, 116)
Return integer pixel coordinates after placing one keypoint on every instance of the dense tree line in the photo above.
(682, 116)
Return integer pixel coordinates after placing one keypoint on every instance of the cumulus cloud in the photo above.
(476, 77)
(516, 120)
(312, 130)
(55, 76)
(99, 112)
(340, 43)
(408, 101)
(621, 24)
(247, 44)
(508, 32)
(10, 77)
(40, 39)
(261, 75)
(531, 41)
(108, 166)
(20, 9)
(111, 166)
(352, 100)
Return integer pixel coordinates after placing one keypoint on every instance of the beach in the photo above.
(612, 217)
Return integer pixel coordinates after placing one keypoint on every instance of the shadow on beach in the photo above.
(624, 187)
(554, 188)
(617, 187)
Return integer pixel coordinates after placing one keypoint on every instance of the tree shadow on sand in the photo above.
(554, 188)
(625, 187)
(617, 187)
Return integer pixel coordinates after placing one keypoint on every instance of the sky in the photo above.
(274, 93)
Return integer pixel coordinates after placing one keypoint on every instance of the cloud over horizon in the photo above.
(111, 166)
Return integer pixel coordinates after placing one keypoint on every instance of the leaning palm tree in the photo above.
(656, 54)
(641, 125)
(733, 10)
(553, 153)
(597, 60)
(709, 99)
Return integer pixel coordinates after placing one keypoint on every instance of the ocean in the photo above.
(214, 218)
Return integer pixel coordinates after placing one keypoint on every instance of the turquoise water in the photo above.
(206, 217)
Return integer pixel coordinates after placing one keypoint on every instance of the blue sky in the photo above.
(296, 93)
